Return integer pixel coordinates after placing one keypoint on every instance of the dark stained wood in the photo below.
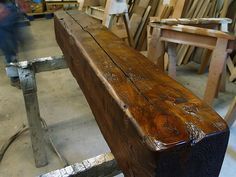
(154, 126)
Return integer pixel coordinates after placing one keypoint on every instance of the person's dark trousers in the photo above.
(9, 36)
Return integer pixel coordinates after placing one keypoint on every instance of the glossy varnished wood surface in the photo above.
(153, 125)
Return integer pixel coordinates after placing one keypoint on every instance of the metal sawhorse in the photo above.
(26, 71)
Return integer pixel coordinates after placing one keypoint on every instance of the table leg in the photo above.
(171, 48)
(216, 69)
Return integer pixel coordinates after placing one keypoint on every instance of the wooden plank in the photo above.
(225, 8)
(188, 55)
(231, 114)
(192, 9)
(128, 29)
(232, 69)
(188, 39)
(85, 3)
(178, 9)
(190, 21)
(139, 18)
(153, 125)
(142, 44)
(143, 21)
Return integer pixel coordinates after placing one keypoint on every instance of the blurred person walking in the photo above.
(9, 34)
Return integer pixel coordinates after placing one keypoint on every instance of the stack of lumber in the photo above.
(158, 8)
(152, 7)
(231, 61)
(139, 12)
(232, 14)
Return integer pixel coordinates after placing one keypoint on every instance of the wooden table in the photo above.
(217, 41)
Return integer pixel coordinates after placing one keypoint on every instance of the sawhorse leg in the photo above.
(29, 88)
(110, 20)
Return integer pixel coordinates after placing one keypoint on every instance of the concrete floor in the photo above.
(66, 111)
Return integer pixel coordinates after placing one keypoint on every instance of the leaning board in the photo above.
(153, 125)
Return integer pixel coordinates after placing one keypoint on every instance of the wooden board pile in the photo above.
(231, 61)
(140, 13)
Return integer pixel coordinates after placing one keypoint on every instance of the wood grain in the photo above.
(154, 126)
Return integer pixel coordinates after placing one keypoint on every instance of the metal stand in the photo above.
(103, 166)
(27, 71)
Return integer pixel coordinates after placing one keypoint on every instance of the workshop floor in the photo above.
(64, 107)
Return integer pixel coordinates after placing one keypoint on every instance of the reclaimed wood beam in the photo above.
(153, 125)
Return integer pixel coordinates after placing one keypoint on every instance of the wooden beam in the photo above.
(153, 125)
